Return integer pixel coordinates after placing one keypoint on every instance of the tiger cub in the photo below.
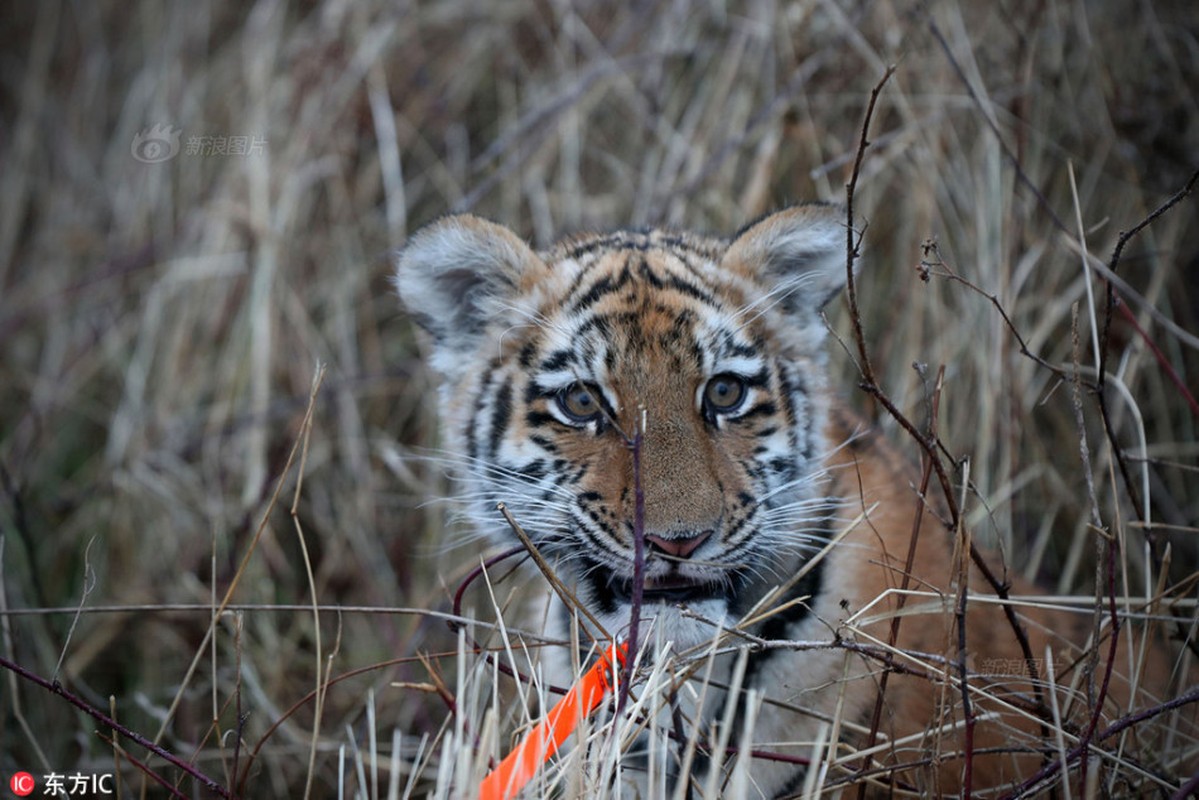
(758, 496)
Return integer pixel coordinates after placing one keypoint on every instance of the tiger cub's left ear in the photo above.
(459, 274)
(796, 255)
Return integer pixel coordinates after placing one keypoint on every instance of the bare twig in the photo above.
(1106, 562)
(1131, 720)
(901, 599)
(852, 250)
(1101, 378)
(143, 768)
(638, 562)
(930, 447)
(933, 260)
(54, 687)
(564, 592)
(964, 543)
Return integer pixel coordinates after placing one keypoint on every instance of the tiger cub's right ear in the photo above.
(460, 273)
(797, 257)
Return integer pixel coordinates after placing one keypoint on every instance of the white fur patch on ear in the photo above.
(459, 274)
(797, 255)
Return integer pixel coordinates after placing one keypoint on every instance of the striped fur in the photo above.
(548, 363)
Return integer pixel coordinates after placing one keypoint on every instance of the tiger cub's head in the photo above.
(552, 362)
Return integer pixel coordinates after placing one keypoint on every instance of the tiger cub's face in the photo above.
(552, 363)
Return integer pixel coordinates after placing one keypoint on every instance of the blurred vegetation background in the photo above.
(199, 202)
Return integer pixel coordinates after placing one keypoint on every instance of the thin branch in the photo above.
(144, 768)
(1106, 560)
(54, 687)
(964, 542)
(901, 600)
(944, 270)
(852, 251)
(1101, 378)
(563, 591)
(1119, 726)
(638, 562)
(870, 385)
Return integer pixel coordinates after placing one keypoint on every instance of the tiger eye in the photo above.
(579, 403)
(724, 394)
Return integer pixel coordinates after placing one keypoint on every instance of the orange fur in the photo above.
(639, 325)
(1005, 706)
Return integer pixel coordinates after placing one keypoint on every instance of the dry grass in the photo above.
(161, 322)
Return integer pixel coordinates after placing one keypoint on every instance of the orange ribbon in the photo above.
(506, 780)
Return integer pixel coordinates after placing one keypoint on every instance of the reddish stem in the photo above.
(626, 677)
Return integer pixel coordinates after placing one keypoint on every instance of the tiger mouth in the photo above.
(669, 589)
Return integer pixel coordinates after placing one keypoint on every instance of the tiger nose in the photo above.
(679, 546)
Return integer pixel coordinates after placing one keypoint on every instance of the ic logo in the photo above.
(22, 784)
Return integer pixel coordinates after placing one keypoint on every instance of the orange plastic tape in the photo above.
(506, 780)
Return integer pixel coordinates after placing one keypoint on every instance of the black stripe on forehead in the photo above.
(589, 266)
(681, 258)
(638, 239)
(620, 240)
(669, 281)
(681, 286)
(606, 285)
(664, 287)
(618, 331)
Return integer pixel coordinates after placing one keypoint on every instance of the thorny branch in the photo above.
(1118, 252)
(852, 251)
(932, 259)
